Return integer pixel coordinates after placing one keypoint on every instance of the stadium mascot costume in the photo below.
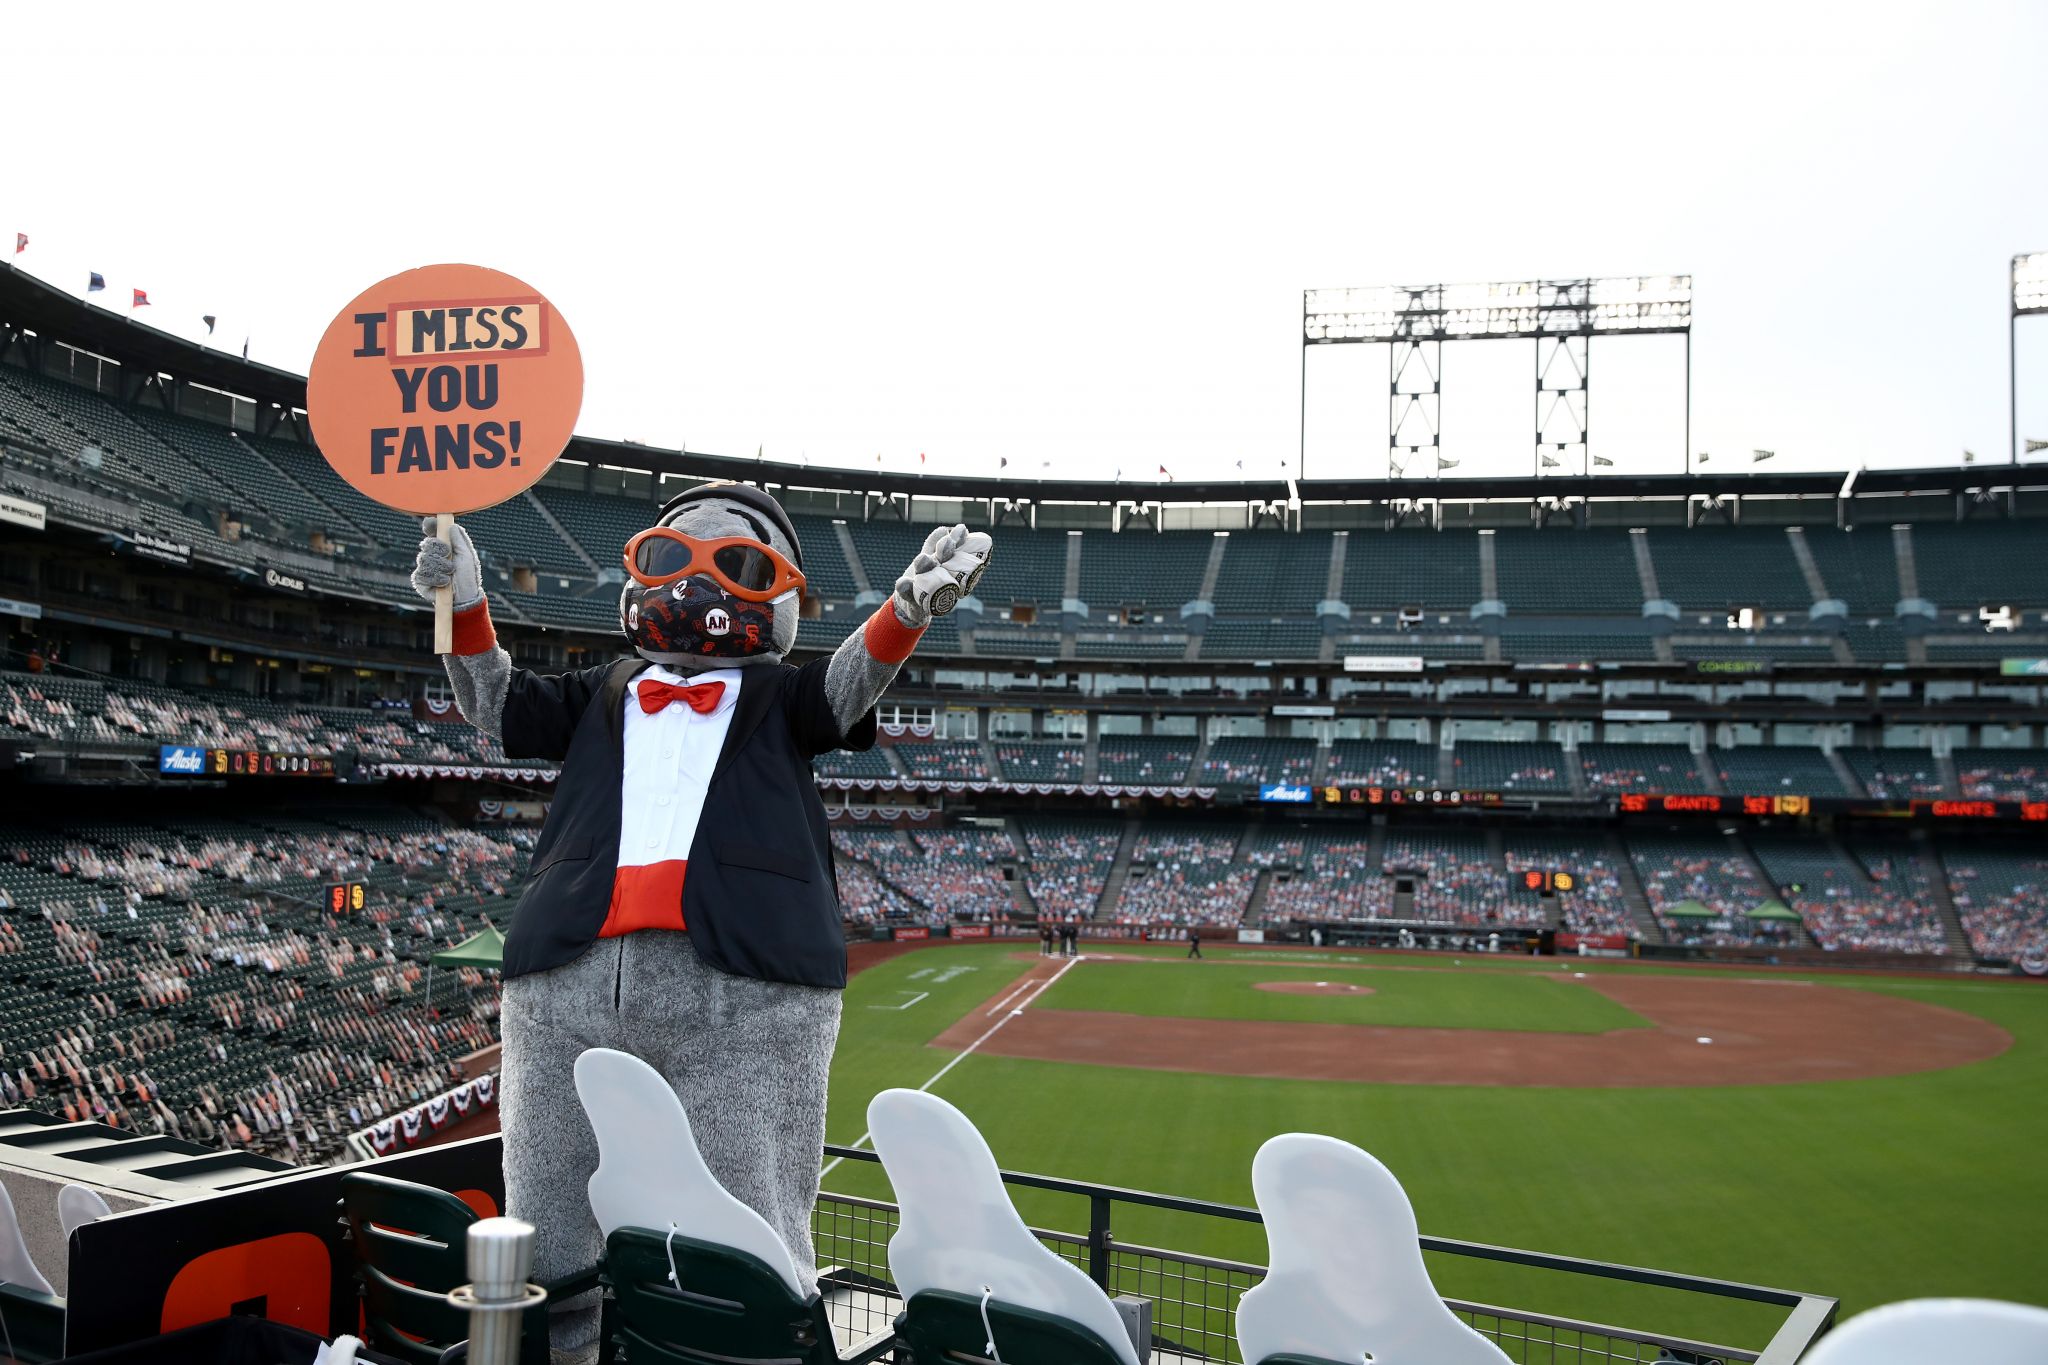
(681, 904)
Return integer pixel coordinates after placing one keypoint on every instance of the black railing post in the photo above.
(1100, 1239)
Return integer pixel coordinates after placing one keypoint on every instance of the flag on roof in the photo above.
(20, 242)
(2034, 446)
(96, 283)
(1757, 456)
(1002, 462)
(1167, 472)
(1548, 463)
(141, 300)
(245, 348)
(1603, 460)
(207, 318)
(920, 457)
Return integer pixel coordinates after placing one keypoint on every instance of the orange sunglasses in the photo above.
(748, 569)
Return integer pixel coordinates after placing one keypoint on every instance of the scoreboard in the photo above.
(190, 760)
(1405, 796)
(263, 763)
(343, 897)
(1532, 880)
(1786, 803)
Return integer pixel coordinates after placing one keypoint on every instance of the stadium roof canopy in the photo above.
(32, 305)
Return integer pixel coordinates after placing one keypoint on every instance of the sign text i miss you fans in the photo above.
(445, 389)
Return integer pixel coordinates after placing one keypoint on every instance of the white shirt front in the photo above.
(668, 760)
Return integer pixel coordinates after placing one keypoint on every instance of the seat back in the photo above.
(724, 1306)
(1346, 1273)
(17, 1267)
(959, 1235)
(650, 1173)
(409, 1239)
(1922, 1331)
(77, 1204)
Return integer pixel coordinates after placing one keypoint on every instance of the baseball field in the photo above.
(1869, 1137)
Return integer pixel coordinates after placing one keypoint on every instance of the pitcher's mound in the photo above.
(1312, 987)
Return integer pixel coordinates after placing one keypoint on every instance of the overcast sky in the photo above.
(1078, 234)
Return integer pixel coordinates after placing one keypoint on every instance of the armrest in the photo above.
(862, 1352)
(569, 1286)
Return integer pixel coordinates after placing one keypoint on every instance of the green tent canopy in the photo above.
(1774, 909)
(1688, 910)
(485, 949)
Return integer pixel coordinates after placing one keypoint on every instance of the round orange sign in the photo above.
(445, 389)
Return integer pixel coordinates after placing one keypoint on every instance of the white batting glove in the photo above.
(456, 565)
(945, 570)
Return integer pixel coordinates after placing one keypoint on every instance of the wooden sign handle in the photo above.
(444, 597)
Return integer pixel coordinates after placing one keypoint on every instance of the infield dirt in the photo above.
(1705, 1031)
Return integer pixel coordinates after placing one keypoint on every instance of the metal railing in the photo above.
(1195, 1297)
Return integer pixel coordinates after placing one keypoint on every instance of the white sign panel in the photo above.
(22, 512)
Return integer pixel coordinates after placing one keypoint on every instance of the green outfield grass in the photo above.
(1871, 1190)
(1402, 995)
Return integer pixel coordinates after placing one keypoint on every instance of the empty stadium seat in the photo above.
(651, 1175)
(973, 1277)
(1344, 1277)
(1922, 1331)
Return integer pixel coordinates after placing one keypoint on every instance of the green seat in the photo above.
(35, 1323)
(410, 1240)
(940, 1327)
(727, 1308)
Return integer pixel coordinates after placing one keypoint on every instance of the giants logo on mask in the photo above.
(696, 617)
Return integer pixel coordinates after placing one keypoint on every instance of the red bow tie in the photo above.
(702, 697)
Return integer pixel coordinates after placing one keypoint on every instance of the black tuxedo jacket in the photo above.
(760, 898)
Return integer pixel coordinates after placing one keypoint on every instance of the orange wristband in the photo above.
(473, 631)
(887, 638)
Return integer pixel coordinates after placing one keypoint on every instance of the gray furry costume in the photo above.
(748, 1057)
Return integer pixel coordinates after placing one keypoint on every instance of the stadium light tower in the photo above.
(2029, 296)
(1561, 316)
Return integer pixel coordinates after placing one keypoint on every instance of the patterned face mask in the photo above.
(696, 616)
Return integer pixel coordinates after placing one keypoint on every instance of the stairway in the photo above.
(1575, 773)
(988, 759)
(1909, 584)
(342, 521)
(853, 564)
(1843, 774)
(1195, 764)
(1375, 846)
(1709, 771)
(1333, 589)
(1951, 780)
(1959, 949)
(1255, 907)
(1321, 770)
(1211, 572)
(1020, 885)
(1070, 590)
(1632, 891)
(1119, 871)
(1091, 756)
(560, 530)
(1816, 586)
